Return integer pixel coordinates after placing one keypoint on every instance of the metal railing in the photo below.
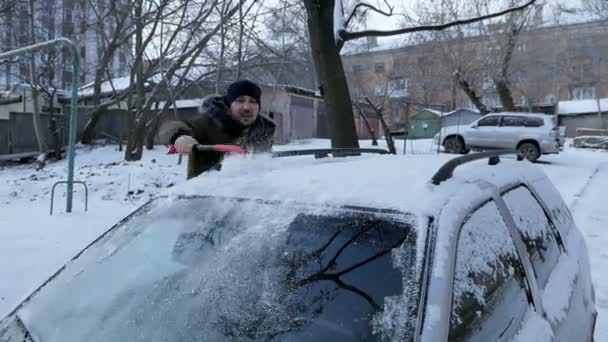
(74, 102)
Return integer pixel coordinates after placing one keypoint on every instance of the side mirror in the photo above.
(474, 125)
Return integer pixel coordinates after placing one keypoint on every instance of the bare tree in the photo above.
(7, 5)
(40, 137)
(328, 16)
(481, 56)
(113, 39)
(185, 44)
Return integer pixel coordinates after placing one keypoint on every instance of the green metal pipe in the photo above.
(74, 102)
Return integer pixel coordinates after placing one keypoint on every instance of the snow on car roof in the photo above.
(388, 182)
(536, 115)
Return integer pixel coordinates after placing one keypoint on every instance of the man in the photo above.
(230, 119)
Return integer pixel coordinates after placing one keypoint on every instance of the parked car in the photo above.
(531, 134)
(297, 249)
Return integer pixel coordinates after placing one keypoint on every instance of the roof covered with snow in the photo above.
(109, 86)
(462, 110)
(404, 183)
(187, 103)
(577, 107)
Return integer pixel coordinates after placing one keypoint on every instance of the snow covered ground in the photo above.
(33, 245)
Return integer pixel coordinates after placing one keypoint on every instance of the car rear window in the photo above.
(205, 269)
(520, 121)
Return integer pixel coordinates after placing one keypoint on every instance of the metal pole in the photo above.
(74, 102)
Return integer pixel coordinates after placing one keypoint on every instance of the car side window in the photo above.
(512, 121)
(533, 122)
(489, 121)
(490, 298)
(520, 121)
(537, 231)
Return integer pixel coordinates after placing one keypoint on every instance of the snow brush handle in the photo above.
(214, 148)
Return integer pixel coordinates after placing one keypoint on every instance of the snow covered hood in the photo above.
(389, 182)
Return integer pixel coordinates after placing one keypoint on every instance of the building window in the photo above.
(550, 99)
(358, 92)
(357, 69)
(380, 89)
(398, 88)
(583, 93)
(379, 68)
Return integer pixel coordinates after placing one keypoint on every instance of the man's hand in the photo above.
(183, 144)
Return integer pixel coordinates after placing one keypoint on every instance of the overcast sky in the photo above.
(377, 21)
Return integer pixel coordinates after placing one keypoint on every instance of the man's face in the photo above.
(245, 109)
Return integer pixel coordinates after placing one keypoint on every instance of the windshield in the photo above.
(211, 269)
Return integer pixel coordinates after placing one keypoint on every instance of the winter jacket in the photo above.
(214, 126)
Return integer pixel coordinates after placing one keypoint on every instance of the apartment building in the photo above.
(550, 64)
(88, 23)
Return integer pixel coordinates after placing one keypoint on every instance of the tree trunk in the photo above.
(54, 130)
(220, 63)
(471, 94)
(239, 64)
(87, 134)
(330, 72)
(501, 81)
(135, 142)
(152, 130)
(369, 128)
(42, 146)
(504, 94)
(390, 142)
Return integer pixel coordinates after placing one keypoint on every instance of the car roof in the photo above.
(535, 115)
(399, 182)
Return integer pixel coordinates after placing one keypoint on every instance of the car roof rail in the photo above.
(325, 152)
(447, 170)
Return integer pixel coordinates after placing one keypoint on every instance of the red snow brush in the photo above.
(214, 148)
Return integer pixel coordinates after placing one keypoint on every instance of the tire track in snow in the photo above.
(591, 215)
(585, 187)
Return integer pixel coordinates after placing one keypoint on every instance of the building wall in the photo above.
(583, 121)
(550, 64)
(6, 109)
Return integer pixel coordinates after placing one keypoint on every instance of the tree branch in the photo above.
(346, 36)
(369, 7)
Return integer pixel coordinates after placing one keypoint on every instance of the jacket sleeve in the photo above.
(171, 130)
(213, 125)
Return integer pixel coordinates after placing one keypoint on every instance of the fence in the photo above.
(17, 133)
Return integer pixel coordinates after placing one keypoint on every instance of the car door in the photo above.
(567, 303)
(490, 296)
(481, 133)
(510, 131)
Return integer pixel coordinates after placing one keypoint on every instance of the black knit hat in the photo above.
(241, 88)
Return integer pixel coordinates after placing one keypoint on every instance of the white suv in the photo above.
(531, 134)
